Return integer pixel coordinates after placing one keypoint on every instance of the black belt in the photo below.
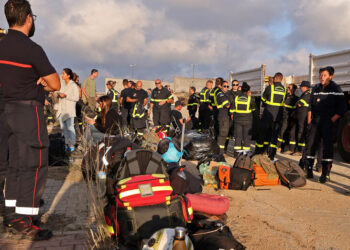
(26, 102)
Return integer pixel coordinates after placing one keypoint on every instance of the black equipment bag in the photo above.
(141, 222)
(291, 175)
(57, 151)
(210, 234)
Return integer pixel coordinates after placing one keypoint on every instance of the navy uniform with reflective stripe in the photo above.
(161, 113)
(138, 111)
(289, 106)
(231, 96)
(192, 104)
(204, 111)
(324, 104)
(114, 95)
(273, 99)
(242, 109)
(24, 139)
(223, 107)
(302, 106)
(214, 103)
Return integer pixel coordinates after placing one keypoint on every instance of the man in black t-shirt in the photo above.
(138, 98)
(26, 73)
(177, 118)
(124, 105)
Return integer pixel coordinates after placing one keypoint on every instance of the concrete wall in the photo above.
(145, 83)
(182, 84)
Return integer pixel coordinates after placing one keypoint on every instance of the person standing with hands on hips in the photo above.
(26, 73)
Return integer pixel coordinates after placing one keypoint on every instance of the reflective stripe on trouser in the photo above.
(300, 126)
(320, 130)
(224, 126)
(242, 133)
(27, 148)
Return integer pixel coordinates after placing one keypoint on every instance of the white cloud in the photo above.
(164, 37)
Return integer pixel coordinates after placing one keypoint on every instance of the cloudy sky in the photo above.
(165, 37)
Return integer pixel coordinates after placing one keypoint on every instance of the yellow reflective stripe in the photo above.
(137, 191)
(292, 143)
(237, 147)
(190, 210)
(301, 144)
(110, 229)
(158, 100)
(171, 96)
(243, 112)
(124, 180)
(204, 100)
(305, 104)
(192, 104)
(222, 146)
(266, 143)
(280, 140)
(276, 92)
(223, 104)
(158, 175)
(246, 148)
(273, 146)
(289, 106)
(242, 100)
(115, 99)
(259, 145)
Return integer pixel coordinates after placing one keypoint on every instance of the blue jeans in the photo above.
(68, 130)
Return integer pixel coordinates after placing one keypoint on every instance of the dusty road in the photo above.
(316, 216)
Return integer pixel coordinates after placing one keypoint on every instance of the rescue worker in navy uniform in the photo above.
(161, 101)
(232, 93)
(205, 109)
(242, 115)
(213, 102)
(327, 105)
(223, 106)
(124, 105)
(26, 73)
(298, 129)
(192, 106)
(113, 94)
(138, 111)
(288, 117)
(273, 98)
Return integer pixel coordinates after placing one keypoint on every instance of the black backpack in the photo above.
(290, 174)
(57, 151)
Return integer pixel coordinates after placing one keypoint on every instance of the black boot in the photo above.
(271, 153)
(308, 168)
(326, 170)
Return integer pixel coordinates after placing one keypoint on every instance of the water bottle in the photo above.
(179, 239)
(101, 181)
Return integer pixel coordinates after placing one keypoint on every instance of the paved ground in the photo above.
(314, 217)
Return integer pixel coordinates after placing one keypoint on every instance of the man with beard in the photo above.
(26, 73)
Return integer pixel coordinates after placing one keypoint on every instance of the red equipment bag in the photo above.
(209, 204)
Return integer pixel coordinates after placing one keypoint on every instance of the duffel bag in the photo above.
(235, 178)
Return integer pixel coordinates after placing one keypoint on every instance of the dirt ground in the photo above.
(316, 216)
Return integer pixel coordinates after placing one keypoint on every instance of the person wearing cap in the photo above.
(113, 94)
(327, 105)
(288, 118)
(177, 118)
(300, 124)
(241, 112)
(161, 101)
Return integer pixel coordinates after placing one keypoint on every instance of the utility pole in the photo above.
(193, 66)
(132, 66)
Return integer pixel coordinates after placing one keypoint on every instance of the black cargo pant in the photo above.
(321, 130)
(287, 123)
(125, 112)
(268, 133)
(224, 127)
(299, 130)
(23, 155)
(161, 117)
(243, 134)
(204, 116)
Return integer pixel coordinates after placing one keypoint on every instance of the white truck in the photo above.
(341, 62)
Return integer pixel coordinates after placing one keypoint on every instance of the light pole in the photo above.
(193, 66)
(132, 66)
